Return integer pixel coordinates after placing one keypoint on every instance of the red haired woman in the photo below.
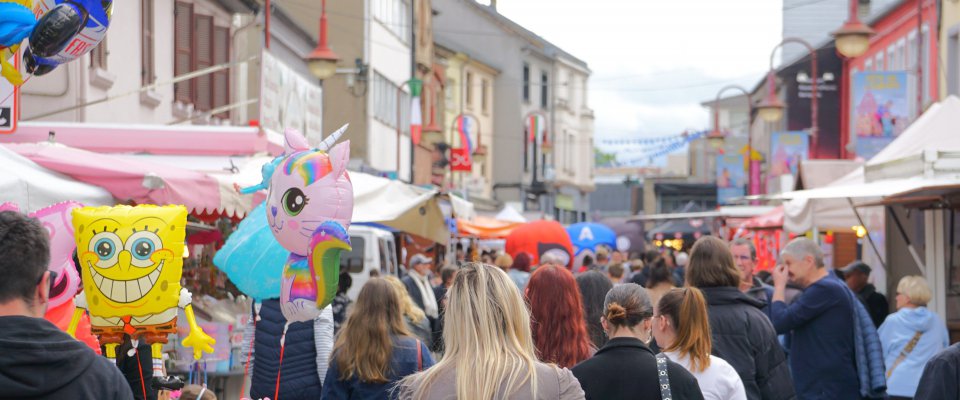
(556, 310)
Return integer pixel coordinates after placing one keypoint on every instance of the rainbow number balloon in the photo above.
(131, 259)
(309, 210)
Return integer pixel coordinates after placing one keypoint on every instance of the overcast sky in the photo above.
(654, 62)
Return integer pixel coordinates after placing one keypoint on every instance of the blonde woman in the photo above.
(374, 350)
(417, 320)
(910, 337)
(682, 329)
(489, 347)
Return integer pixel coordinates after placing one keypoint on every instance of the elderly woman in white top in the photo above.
(910, 337)
(682, 329)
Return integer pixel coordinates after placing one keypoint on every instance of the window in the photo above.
(891, 58)
(543, 90)
(221, 78)
(468, 89)
(352, 260)
(927, 72)
(878, 62)
(868, 65)
(386, 105)
(203, 58)
(182, 58)
(526, 82)
(394, 15)
(484, 94)
(148, 73)
(901, 56)
(98, 56)
(449, 94)
(198, 44)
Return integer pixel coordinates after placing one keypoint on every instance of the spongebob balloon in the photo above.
(131, 262)
(309, 210)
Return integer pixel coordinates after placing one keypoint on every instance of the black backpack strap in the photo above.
(665, 393)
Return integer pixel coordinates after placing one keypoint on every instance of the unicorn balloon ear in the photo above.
(294, 141)
(339, 158)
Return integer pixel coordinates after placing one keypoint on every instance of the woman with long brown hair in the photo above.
(682, 329)
(489, 351)
(374, 348)
(556, 311)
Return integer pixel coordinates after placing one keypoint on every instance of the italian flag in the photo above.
(416, 119)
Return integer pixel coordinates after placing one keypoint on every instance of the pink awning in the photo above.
(770, 220)
(138, 181)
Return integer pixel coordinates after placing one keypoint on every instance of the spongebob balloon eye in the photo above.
(141, 246)
(294, 201)
(106, 245)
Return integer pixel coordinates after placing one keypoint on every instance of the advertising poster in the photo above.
(881, 110)
(288, 100)
(731, 178)
(787, 149)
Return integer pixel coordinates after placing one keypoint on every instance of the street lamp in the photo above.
(322, 61)
(771, 108)
(853, 38)
(716, 128)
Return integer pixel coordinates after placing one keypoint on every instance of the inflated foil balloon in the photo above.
(57, 220)
(131, 260)
(309, 210)
(16, 23)
(66, 30)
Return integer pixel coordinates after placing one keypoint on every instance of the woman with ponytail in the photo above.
(625, 368)
(682, 329)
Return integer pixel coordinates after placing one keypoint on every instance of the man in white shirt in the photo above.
(419, 287)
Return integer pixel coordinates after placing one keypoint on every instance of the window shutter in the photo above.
(147, 66)
(221, 79)
(182, 58)
(203, 58)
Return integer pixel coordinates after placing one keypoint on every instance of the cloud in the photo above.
(654, 62)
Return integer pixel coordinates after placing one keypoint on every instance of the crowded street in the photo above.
(479, 199)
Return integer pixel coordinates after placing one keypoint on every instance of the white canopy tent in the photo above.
(33, 187)
(377, 200)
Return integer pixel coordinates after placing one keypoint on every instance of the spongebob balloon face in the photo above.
(131, 262)
(131, 259)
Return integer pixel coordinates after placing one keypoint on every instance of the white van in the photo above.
(374, 249)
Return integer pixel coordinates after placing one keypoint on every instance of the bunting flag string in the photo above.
(661, 140)
(648, 155)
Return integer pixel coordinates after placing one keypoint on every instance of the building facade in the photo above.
(468, 100)
(525, 134)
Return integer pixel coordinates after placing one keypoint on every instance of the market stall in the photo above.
(34, 187)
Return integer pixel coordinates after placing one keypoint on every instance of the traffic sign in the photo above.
(9, 102)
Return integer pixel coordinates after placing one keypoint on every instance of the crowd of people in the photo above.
(509, 329)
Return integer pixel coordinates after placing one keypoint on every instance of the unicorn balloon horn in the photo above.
(327, 143)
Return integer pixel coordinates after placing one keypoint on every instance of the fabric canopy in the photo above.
(687, 226)
(33, 187)
(770, 220)
(398, 205)
(127, 180)
(486, 228)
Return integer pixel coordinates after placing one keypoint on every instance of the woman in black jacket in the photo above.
(625, 367)
(742, 333)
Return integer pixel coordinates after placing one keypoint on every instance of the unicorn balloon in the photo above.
(309, 209)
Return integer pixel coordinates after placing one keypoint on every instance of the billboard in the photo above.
(731, 177)
(881, 109)
(787, 149)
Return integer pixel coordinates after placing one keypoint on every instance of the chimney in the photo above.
(493, 5)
